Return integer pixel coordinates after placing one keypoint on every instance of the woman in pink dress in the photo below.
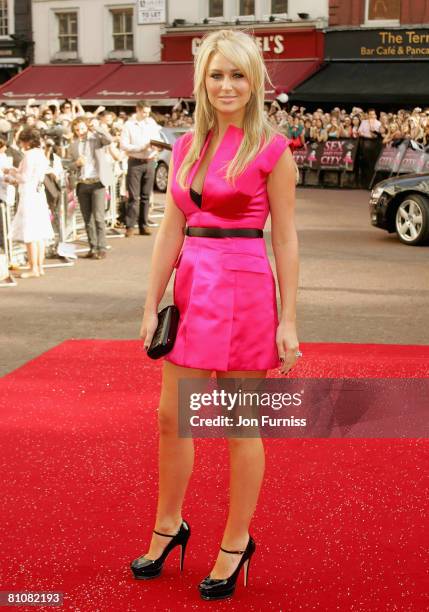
(224, 287)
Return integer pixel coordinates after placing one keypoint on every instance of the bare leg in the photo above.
(32, 260)
(247, 465)
(41, 256)
(176, 457)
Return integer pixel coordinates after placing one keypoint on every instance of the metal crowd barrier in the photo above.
(69, 228)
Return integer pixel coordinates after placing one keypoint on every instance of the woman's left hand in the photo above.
(287, 345)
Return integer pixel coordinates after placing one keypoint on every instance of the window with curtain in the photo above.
(383, 10)
(123, 39)
(278, 6)
(247, 7)
(67, 31)
(4, 18)
(215, 8)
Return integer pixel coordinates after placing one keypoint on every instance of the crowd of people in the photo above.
(54, 119)
(320, 126)
(84, 150)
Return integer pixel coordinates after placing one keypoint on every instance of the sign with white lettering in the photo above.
(329, 155)
(282, 43)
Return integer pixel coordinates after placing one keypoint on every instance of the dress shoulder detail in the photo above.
(273, 151)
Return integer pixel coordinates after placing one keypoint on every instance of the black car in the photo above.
(401, 204)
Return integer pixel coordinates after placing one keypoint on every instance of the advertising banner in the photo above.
(330, 155)
(402, 159)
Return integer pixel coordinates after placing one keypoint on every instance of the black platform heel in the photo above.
(144, 569)
(221, 588)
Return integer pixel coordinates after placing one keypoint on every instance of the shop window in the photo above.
(278, 6)
(383, 10)
(67, 32)
(215, 8)
(122, 29)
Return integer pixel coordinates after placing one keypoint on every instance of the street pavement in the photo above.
(357, 284)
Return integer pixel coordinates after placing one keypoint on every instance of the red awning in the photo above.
(287, 74)
(159, 81)
(47, 82)
(117, 83)
(170, 80)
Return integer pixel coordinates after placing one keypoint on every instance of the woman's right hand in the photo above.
(148, 327)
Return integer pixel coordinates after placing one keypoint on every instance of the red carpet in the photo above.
(341, 524)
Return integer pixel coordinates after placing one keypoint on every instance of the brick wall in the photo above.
(346, 12)
(352, 12)
(415, 11)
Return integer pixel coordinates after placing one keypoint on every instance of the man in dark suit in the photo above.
(93, 174)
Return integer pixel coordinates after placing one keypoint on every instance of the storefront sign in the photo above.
(289, 43)
(404, 43)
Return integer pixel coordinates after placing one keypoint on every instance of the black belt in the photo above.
(141, 160)
(224, 232)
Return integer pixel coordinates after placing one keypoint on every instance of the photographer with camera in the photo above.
(93, 173)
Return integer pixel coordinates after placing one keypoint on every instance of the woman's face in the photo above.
(228, 88)
(80, 129)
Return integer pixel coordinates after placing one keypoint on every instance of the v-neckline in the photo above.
(203, 152)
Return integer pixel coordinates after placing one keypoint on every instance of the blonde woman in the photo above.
(224, 287)
(394, 133)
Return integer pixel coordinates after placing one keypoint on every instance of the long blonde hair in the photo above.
(241, 49)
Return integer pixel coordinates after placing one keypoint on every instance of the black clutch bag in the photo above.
(165, 333)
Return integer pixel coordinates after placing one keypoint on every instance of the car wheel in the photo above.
(161, 177)
(412, 220)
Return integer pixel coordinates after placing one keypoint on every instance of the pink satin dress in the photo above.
(224, 288)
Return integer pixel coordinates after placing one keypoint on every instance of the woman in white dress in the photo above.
(31, 224)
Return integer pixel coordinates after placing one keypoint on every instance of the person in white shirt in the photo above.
(370, 128)
(136, 136)
(370, 144)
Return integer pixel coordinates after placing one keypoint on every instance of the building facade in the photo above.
(376, 53)
(96, 31)
(378, 13)
(16, 46)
